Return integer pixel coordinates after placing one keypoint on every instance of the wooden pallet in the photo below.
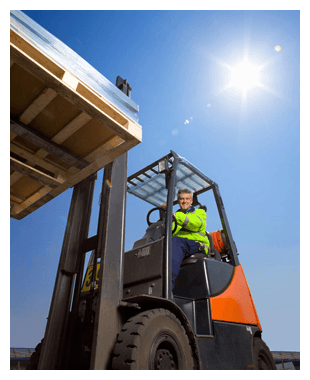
(62, 130)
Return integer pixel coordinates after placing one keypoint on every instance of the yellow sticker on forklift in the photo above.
(88, 278)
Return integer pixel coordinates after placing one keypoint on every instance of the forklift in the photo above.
(124, 314)
(120, 312)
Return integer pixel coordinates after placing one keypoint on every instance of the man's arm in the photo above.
(193, 222)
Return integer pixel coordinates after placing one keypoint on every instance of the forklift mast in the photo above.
(108, 245)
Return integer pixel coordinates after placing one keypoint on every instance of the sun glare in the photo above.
(245, 76)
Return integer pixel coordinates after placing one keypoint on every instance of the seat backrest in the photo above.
(203, 279)
(154, 232)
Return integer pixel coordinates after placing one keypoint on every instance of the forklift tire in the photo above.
(262, 356)
(153, 340)
(35, 356)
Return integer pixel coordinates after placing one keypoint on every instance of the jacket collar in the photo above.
(191, 209)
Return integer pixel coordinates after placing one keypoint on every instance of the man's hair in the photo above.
(186, 191)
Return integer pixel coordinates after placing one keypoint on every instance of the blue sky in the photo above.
(180, 65)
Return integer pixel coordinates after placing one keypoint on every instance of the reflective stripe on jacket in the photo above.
(192, 225)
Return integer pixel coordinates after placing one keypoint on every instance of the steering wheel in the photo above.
(161, 209)
(150, 212)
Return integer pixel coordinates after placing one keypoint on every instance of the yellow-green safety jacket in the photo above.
(192, 225)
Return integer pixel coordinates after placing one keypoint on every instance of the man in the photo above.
(190, 235)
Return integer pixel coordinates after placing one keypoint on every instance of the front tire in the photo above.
(34, 358)
(262, 357)
(154, 339)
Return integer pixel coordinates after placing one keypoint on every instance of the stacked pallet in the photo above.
(62, 130)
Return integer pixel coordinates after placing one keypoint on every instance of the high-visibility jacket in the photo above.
(192, 225)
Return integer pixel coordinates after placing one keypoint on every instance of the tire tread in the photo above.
(126, 353)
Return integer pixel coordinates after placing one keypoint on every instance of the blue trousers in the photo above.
(181, 247)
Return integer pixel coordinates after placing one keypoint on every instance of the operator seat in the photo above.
(154, 232)
(213, 254)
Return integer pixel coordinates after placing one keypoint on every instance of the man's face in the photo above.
(185, 201)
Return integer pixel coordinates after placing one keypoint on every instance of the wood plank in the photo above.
(97, 153)
(38, 105)
(31, 208)
(33, 173)
(14, 177)
(59, 172)
(71, 128)
(96, 99)
(134, 129)
(25, 187)
(66, 132)
(40, 140)
(16, 199)
(70, 80)
(33, 160)
(16, 209)
(103, 149)
(99, 163)
(33, 52)
(12, 203)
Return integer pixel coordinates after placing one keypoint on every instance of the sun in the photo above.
(244, 76)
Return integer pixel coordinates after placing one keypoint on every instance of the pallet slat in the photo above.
(38, 105)
(46, 144)
(18, 208)
(33, 160)
(71, 128)
(33, 173)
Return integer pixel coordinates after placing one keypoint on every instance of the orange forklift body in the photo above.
(235, 304)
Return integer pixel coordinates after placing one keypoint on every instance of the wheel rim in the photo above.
(165, 353)
(164, 360)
